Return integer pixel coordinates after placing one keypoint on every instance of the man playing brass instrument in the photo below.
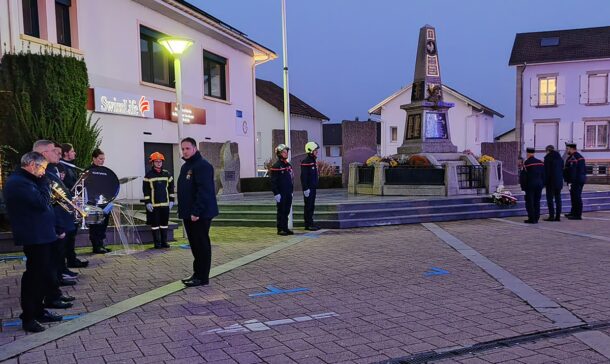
(28, 204)
(64, 223)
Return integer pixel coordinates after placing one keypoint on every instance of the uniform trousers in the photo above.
(576, 199)
(35, 280)
(198, 233)
(310, 206)
(532, 203)
(553, 201)
(283, 210)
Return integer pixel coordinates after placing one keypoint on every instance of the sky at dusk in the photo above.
(345, 56)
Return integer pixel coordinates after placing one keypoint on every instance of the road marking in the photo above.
(568, 232)
(435, 271)
(558, 315)
(255, 325)
(596, 340)
(274, 290)
(53, 333)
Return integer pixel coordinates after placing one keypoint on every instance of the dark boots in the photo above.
(164, 243)
(156, 234)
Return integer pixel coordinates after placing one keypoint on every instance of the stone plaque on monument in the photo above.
(427, 122)
(229, 173)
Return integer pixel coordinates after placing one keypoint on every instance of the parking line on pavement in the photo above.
(53, 333)
(537, 226)
(561, 317)
(596, 340)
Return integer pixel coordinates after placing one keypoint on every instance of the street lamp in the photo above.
(176, 47)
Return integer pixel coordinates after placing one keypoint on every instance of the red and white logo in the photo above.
(144, 105)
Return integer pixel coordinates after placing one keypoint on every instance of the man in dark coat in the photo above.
(197, 207)
(282, 187)
(28, 203)
(532, 183)
(309, 181)
(575, 174)
(553, 181)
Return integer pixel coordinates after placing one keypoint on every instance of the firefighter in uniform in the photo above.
(532, 182)
(281, 185)
(575, 174)
(309, 181)
(158, 188)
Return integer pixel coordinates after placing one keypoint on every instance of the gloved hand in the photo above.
(306, 192)
(171, 204)
(278, 198)
(108, 208)
(149, 207)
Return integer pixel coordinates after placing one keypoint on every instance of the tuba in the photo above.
(60, 197)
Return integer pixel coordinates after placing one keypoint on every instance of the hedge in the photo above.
(261, 184)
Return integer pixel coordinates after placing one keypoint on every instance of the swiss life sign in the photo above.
(122, 103)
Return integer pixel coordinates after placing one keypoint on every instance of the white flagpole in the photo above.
(286, 95)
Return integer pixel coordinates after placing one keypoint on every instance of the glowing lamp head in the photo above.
(175, 46)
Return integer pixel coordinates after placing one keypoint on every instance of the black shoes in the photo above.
(32, 326)
(550, 218)
(194, 282)
(572, 217)
(78, 263)
(58, 303)
(282, 233)
(68, 274)
(102, 250)
(48, 316)
(188, 278)
(67, 282)
(312, 228)
(528, 221)
(66, 298)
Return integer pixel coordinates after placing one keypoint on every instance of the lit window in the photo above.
(156, 62)
(596, 134)
(547, 91)
(214, 76)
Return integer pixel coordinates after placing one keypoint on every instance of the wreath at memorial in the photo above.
(503, 197)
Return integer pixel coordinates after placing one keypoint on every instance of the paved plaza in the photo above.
(478, 291)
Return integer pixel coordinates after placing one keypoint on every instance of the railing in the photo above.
(414, 176)
(601, 169)
(471, 176)
(366, 175)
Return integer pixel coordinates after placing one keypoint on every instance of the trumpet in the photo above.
(59, 196)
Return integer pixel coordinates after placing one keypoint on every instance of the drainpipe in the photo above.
(519, 127)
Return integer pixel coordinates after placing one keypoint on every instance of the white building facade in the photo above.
(563, 94)
(470, 122)
(131, 76)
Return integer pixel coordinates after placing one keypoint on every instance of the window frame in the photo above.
(208, 60)
(596, 123)
(540, 93)
(151, 36)
(392, 139)
(605, 93)
(546, 122)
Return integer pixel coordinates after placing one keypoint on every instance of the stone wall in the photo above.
(211, 151)
(298, 139)
(507, 152)
(359, 143)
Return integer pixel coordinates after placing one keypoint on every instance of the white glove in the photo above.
(306, 192)
(278, 198)
(171, 205)
(149, 207)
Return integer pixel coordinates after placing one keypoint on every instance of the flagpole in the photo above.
(286, 95)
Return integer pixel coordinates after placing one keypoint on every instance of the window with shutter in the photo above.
(598, 88)
(545, 133)
(547, 91)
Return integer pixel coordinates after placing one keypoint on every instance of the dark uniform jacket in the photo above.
(28, 203)
(553, 170)
(71, 174)
(281, 178)
(64, 220)
(533, 174)
(575, 170)
(158, 188)
(196, 191)
(309, 173)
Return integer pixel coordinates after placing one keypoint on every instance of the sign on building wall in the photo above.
(122, 103)
(190, 114)
(242, 126)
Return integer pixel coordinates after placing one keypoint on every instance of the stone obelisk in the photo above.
(427, 124)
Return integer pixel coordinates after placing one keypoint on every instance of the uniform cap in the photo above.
(571, 145)
(531, 150)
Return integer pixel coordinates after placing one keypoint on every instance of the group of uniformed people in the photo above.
(552, 174)
(282, 186)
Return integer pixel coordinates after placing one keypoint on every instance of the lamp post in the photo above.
(286, 93)
(176, 47)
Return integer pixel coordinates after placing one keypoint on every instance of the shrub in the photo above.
(255, 184)
(330, 182)
(326, 169)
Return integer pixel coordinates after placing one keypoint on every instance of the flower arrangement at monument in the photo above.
(486, 158)
(503, 197)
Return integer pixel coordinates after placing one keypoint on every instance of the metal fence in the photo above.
(366, 175)
(602, 169)
(471, 176)
(415, 176)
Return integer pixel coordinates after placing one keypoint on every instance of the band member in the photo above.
(64, 222)
(28, 205)
(553, 174)
(71, 175)
(197, 207)
(309, 181)
(158, 188)
(282, 187)
(532, 183)
(97, 232)
(575, 174)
